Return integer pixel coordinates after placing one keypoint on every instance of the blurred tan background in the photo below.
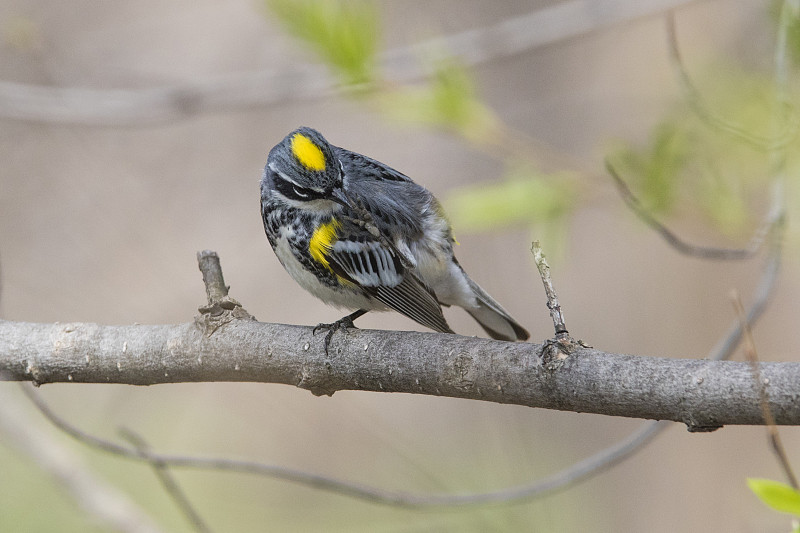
(102, 223)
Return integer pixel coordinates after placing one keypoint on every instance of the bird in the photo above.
(360, 235)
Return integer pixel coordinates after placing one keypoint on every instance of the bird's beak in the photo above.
(338, 196)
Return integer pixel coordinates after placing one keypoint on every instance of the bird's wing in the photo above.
(377, 268)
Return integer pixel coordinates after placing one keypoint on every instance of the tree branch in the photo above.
(700, 393)
(167, 480)
(773, 220)
(100, 500)
(589, 467)
(215, 316)
(158, 105)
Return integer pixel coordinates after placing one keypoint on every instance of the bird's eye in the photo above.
(299, 192)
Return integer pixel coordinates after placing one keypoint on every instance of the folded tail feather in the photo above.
(495, 320)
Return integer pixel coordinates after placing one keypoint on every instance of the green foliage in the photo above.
(343, 34)
(710, 154)
(792, 27)
(448, 100)
(723, 201)
(452, 94)
(657, 168)
(713, 153)
(524, 196)
(777, 495)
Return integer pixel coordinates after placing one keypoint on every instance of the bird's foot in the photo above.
(342, 324)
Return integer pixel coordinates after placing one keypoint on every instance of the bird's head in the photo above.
(303, 168)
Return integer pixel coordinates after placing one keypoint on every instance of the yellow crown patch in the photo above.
(308, 153)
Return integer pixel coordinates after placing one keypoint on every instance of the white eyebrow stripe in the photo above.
(284, 177)
(319, 205)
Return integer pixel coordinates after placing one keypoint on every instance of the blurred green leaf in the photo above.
(448, 100)
(343, 33)
(712, 153)
(524, 197)
(792, 28)
(723, 201)
(656, 169)
(733, 148)
(777, 495)
(452, 93)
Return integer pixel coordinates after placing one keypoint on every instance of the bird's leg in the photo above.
(343, 323)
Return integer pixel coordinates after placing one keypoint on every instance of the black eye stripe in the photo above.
(295, 192)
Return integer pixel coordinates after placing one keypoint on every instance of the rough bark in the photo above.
(703, 394)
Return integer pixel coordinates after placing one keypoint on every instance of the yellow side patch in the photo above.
(322, 240)
(308, 153)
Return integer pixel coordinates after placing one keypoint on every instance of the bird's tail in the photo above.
(493, 318)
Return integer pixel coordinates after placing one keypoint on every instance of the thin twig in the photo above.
(101, 501)
(703, 252)
(789, 118)
(559, 481)
(762, 293)
(552, 299)
(208, 262)
(221, 309)
(167, 480)
(776, 214)
(556, 350)
(751, 353)
(789, 12)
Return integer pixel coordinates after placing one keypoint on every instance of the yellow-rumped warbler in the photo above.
(358, 234)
